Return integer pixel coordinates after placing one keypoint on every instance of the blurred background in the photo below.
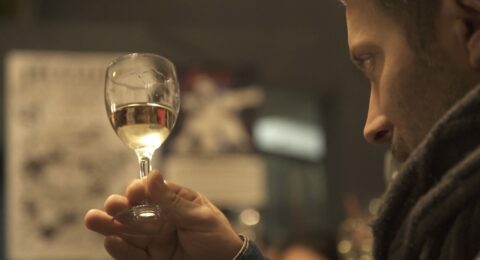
(276, 72)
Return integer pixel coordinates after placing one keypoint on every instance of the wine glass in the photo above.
(142, 99)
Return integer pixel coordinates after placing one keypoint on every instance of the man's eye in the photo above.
(366, 64)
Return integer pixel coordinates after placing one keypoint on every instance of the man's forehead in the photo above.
(366, 23)
(364, 8)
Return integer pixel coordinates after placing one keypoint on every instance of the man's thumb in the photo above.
(168, 195)
(158, 192)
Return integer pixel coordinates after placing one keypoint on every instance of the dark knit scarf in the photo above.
(432, 208)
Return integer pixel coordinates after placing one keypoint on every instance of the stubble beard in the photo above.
(442, 78)
(399, 148)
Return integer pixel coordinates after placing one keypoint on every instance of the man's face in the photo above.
(407, 96)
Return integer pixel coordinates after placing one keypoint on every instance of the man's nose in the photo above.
(378, 129)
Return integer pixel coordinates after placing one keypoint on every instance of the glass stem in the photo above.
(144, 160)
(145, 166)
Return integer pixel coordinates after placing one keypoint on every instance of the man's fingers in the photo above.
(183, 192)
(164, 247)
(170, 196)
(100, 222)
(115, 204)
(120, 249)
(136, 193)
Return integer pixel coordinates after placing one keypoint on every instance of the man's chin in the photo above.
(391, 166)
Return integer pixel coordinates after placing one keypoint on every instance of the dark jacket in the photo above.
(432, 208)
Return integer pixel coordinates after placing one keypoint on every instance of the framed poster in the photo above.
(62, 156)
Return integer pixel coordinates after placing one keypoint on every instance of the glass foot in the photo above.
(141, 220)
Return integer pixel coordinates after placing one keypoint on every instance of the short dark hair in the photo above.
(416, 17)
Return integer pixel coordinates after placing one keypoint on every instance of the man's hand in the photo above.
(194, 228)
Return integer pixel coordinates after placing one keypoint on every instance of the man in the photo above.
(422, 58)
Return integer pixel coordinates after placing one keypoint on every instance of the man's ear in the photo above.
(471, 9)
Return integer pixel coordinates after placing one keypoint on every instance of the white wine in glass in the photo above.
(142, 98)
(143, 125)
